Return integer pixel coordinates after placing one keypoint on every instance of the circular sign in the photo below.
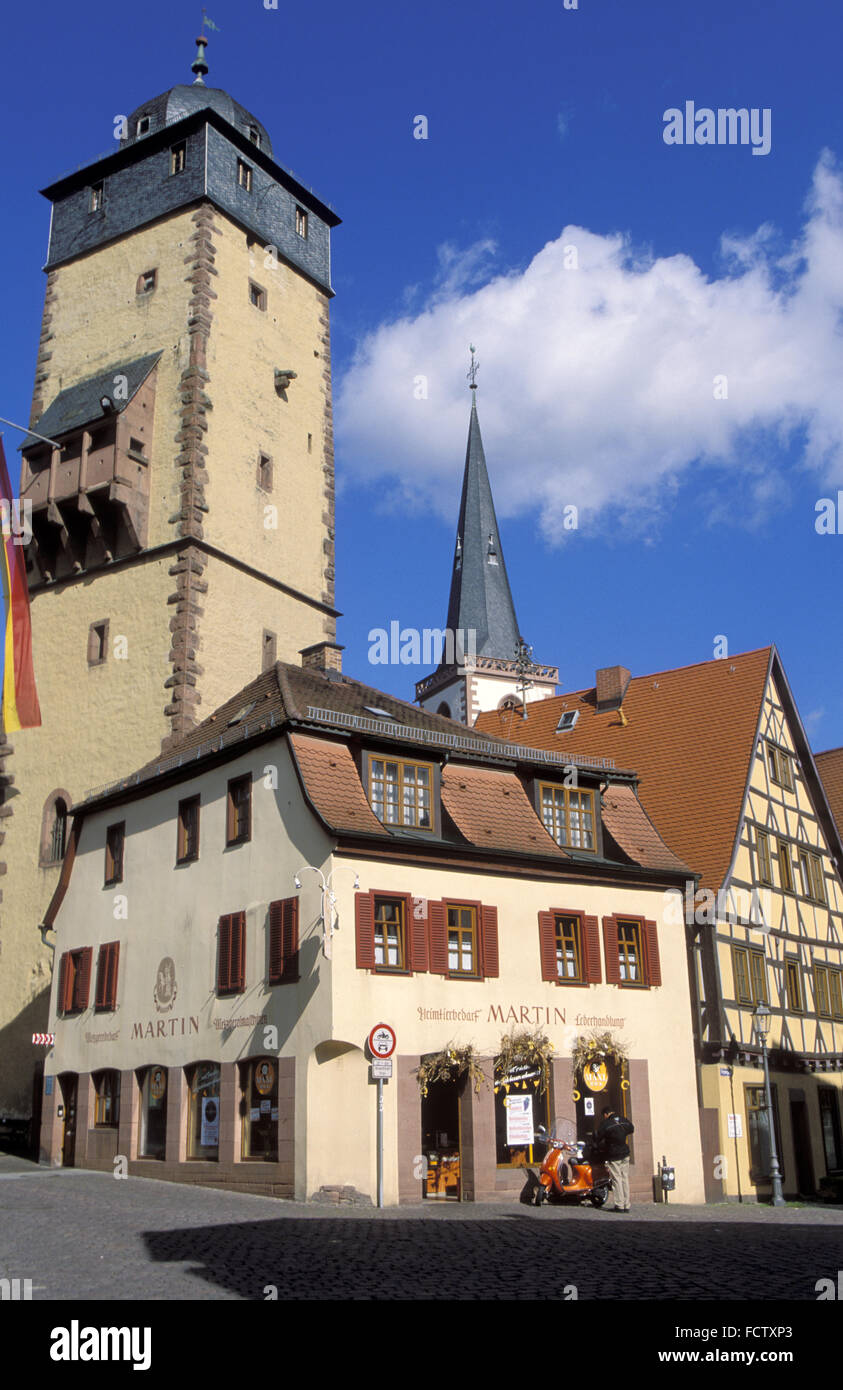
(382, 1040)
(264, 1077)
(595, 1075)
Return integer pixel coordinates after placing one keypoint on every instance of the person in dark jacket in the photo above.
(612, 1137)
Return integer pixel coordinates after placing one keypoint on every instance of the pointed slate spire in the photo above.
(480, 598)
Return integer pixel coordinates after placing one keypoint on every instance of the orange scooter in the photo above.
(571, 1170)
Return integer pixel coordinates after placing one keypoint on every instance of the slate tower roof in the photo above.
(480, 598)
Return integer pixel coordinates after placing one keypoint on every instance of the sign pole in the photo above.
(380, 1141)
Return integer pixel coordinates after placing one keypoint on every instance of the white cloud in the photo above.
(597, 384)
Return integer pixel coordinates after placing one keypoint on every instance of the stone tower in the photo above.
(481, 668)
(183, 515)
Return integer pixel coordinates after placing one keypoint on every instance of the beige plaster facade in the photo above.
(327, 1115)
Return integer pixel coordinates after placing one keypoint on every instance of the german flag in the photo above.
(20, 698)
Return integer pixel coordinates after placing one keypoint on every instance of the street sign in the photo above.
(44, 1039)
(382, 1069)
(382, 1040)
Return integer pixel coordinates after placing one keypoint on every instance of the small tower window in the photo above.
(244, 175)
(177, 154)
(59, 835)
(301, 222)
(255, 135)
(136, 449)
(95, 203)
(147, 282)
(265, 472)
(310, 443)
(492, 554)
(257, 296)
(97, 643)
(142, 127)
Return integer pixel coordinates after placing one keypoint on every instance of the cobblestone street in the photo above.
(165, 1241)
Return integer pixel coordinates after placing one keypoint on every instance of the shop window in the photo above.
(830, 1125)
(568, 816)
(400, 792)
(758, 1127)
(231, 954)
(106, 1099)
(284, 941)
(115, 837)
(187, 845)
(569, 945)
(105, 995)
(521, 1106)
(152, 1140)
(749, 970)
(75, 980)
(259, 1108)
(391, 933)
(203, 1111)
(239, 817)
(631, 946)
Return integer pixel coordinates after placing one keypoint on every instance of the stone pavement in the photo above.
(83, 1235)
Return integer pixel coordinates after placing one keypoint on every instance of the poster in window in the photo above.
(157, 1083)
(210, 1136)
(519, 1120)
(264, 1077)
(595, 1075)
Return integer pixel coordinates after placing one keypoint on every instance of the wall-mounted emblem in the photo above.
(595, 1075)
(264, 1077)
(166, 989)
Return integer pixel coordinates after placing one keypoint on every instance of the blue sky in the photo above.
(545, 132)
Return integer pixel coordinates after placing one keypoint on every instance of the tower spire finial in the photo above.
(471, 374)
(199, 65)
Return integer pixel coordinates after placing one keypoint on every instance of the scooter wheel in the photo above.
(540, 1197)
(599, 1197)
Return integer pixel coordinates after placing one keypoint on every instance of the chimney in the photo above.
(611, 683)
(324, 657)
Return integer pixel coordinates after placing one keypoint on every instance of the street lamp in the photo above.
(761, 1020)
(328, 919)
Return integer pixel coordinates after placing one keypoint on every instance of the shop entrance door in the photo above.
(802, 1147)
(68, 1139)
(441, 1140)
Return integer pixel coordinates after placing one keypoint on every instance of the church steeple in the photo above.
(482, 663)
(481, 600)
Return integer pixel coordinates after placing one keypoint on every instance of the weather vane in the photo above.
(210, 23)
(471, 374)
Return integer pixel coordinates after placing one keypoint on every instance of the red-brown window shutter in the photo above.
(238, 951)
(591, 951)
(284, 941)
(111, 986)
(364, 925)
(654, 968)
(106, 989)
(610, 947)
(437, 919)
(224, 955)
(416, 911)
(64, 981)
(547, 945)
(82, 983)
(489, 943)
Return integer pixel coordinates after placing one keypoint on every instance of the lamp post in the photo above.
(327, 919)
(761, 1020)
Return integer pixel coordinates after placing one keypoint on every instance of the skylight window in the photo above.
(381, 713)
(567, 721)
(242, 714)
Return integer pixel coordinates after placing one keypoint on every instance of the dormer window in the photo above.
(400, 792)
(568, 815)
(567, 720)
(255, 135)
(95, 198)
(142, 127)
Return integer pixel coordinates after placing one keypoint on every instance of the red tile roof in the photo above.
(492, 810)
(332, 783)
(690, 735)
(830, 768)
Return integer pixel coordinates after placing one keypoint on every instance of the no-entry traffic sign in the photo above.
(382, 1040)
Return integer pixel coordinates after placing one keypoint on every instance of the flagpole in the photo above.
(24, 430)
